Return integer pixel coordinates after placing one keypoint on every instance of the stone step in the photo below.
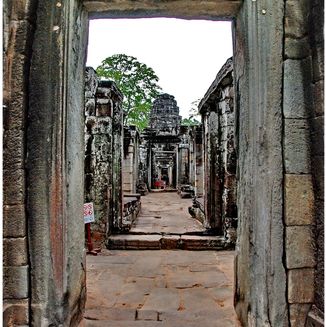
(167, 242)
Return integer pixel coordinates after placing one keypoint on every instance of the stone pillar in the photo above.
(206, 168)
(170, 174)
(261, 277)
(55, 160)
(183, 164)
(192, 157)
(199, 178)
(130, 164)
(177, 164)
(103, 157)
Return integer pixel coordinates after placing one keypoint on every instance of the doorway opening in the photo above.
(166, 154)
(167, 157)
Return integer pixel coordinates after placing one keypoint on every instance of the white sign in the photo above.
(89, 213)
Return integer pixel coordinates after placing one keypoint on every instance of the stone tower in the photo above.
(164, 116)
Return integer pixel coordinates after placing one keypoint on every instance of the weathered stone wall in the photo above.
(280, 124)
(103, 154)
(18, 30)
(303, 144)
(316, 123)
(220, 163)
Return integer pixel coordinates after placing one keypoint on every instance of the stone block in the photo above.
(299, 247)
(315, 317)
(298, 314)
(102, 125)
(296, 88)
(151, 242)
(14, 185)
(13, 148)
(296, 146)
(296, 48)
(22, 32)
(15, 312)
(317, 135)
(15, 252)
(317, 19)
(15, 282)
(301, 285)
(299, 200)
(296, 18)
(14, 221)
(318, 173)
(318, 63)
(16, 100)
(151, 315)
(24, 9)
(192, 242)
(318, 96)
(170, 242)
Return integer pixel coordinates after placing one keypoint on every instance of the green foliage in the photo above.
(137, 82)
(190, 122)
(194, 116)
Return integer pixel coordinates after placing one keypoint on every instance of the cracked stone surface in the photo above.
(160, 288)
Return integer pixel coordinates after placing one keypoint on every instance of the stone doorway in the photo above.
(64, 100)
(49, 52)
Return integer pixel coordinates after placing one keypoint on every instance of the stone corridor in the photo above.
(165, 223)
(255, 165)
(165, 213)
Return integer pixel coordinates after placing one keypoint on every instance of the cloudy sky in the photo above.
(185, 55)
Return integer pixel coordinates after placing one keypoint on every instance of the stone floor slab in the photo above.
(166, 213)
(150, 289)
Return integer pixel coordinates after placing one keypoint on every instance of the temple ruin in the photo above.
(266, 169)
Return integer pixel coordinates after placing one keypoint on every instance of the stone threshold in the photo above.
(167, 242)
(198, 233)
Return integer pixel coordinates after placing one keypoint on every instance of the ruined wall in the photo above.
(217, 112)
(103, 154)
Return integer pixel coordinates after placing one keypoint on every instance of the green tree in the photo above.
(194, 116)
(189, 122)
(137, 82)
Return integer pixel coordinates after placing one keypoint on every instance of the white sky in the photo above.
(186, 55)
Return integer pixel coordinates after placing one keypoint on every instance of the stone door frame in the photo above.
(55, 145)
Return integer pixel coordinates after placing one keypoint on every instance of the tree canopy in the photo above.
(137, 82)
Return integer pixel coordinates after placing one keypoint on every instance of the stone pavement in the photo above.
(160, 288)
(165, 213)
(165, 223)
